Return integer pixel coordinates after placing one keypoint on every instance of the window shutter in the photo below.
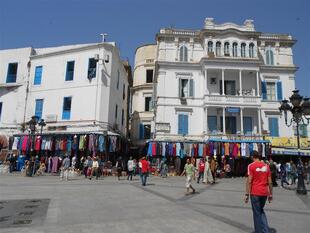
(279, 90)
(185, 124)
(180, 87)
(247, 121)
(191, 87)
(273, 127)
(212, 123)
(264, 90)
(180, 124)
(141, 131)
(38, 75)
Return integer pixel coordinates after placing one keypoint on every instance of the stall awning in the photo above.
(289, 151)
(238, 140)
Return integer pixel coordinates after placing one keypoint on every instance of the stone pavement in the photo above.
(46, 204)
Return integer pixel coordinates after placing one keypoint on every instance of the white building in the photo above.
(78, 88)
(142, 94)
(223, 80)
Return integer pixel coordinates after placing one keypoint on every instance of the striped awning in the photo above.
(289, 151)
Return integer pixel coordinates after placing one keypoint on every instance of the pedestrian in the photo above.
(273, 171)
(119, 167)
(201, 169)
(144, 170)
(207, 177)
(95, 168)
(64, 172)
(293, 172)
(258, 188)
(283, 174)
(189, 171)
(213, 167)
(130, 168)
(163, 168)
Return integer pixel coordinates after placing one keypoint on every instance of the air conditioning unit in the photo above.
(50, 118)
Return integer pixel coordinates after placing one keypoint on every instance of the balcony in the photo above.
(232, 100)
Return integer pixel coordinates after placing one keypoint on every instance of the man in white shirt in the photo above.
(95, 167)
(130, 168)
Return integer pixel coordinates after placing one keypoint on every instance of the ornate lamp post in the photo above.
(299, 107)
(41, 124)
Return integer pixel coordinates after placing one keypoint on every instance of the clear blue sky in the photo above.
(131, 23)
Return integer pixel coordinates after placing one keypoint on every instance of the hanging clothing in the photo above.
(200, 150)
(178, 149)
(263, 150)
(55, 161)
(149, 149)
(243, 149)
(153, 149)
(163, 149)
(226, 148)
(25, 143)
(82, 142)
(101, 143)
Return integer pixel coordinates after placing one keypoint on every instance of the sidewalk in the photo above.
(108, 205)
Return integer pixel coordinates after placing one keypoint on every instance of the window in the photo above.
(38, 75)
(12, 72)
(124, 92)
(218, 49)
(147, 104)
(243, 45)
(273, 126)
(229, 87)
(66, 110)
(147, 131)
(116, 109)
(122, 116)
(117, 84)
(210, 47)
(0, 110)
(183, 124)
(251, 50)
(235, 49)
(186, 88)
(212, 123)
(183, 53)
(70, 71)
(39, 108)
(271, 91)
(92, 67)
(269, 57)
(149, 76)
(226, 49)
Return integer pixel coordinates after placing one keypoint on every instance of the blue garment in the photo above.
(251, 148)
(101, 143)
(69, 145)
(170, 149)
(200, 150)
(178, 149)
(149, 149)
(259, 216)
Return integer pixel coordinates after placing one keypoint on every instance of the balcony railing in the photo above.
(230, 99)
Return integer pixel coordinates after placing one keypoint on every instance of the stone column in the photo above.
(223, 82)
(241, 121)
(206, 120)
(206, 81)
(240, 82)
(257, 84)
(259, 121)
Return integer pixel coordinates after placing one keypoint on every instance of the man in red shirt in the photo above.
(259, 188)
(144, 170)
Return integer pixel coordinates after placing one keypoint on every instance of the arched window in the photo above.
(210, 47)
(183, 53)
(269, 57)
(251, 50)
(226, 49)
(218, 49)
(243, 45)
(235, 49)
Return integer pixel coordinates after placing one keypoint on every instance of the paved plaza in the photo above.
(46, 204)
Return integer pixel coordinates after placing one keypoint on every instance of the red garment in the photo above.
(208, 150)
(25, 143)
(201, 167)
(37, 144)
(195, 150)
(153, 148)
(259, 171)
(145, 166)
(235, 150)
(174, 150)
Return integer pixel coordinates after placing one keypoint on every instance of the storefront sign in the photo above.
(233, 110)
(288, 142)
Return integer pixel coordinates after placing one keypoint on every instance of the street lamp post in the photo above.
(299, 107)
(32, 126)
(41, 124)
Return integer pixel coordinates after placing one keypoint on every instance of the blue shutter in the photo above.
(180, 124)
(273, 127)
(279, 90)
(39, 108)
(141, 131)
(247, 125)
(212, 123)
(66, 109)
(38, 75)
(185, 124)
(264, 90)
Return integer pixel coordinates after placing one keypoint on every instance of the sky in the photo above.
(132, 23)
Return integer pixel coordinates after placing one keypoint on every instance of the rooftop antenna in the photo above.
(103, 35)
